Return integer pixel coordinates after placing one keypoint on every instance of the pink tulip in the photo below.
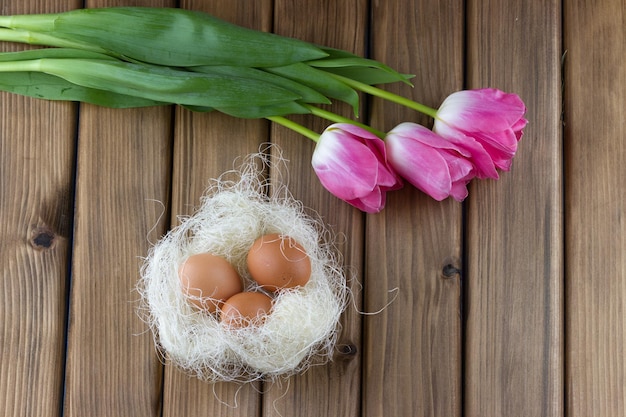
(351, 163)
(429, 162)
(486, 123)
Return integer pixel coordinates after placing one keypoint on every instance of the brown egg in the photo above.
(276, 261)
(245, 308)
(211, 278)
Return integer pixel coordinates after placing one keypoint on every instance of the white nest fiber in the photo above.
(303, 325)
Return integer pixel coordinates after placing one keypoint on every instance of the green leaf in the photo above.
(198, 109)
(370, 76)
(49, 87)
(307, 94)
(257, 112)
(34, 38)
(320, 81)
(340, 59)
(52, 53)
(158, 83)
(165, 36)
(334, 53)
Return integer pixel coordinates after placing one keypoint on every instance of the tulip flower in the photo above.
(486, 123)
(351, 163)
(125, 57)
(429, 162)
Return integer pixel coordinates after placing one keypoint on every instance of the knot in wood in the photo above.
(450, 271)
(346, 350)
(42, 238)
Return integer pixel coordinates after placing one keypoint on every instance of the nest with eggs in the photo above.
(302, 325)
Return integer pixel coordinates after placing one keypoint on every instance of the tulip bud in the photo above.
(487, 123)
(429, 162)
(351, 163)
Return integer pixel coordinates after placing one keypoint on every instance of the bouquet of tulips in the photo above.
(128, 57)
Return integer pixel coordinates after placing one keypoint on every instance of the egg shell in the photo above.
(245, 309)
(277, 261)
(208, 280)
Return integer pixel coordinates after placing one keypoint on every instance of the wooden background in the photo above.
(510, 304)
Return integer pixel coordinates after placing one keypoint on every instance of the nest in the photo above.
(302, 328)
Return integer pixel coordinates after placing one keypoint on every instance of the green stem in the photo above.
(377, 92)
(295, 127)
(20, 66)
(34, 38)
(316, 111)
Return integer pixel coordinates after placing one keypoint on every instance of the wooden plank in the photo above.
(413, 346)
(36, 173)
(595, 76)
(121, 196)
(332, 389)
(206, 145)
(514, 361)
(122, 184)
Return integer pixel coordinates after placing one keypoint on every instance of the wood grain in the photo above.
(514, 362)
(511, 304)
(595, 76)
(123, 166)
(334, 389)
(207, 145)
(121, 197)
(413, 345)
(36, 189)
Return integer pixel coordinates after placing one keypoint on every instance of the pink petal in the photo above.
(426, 136)
(518, 126)
(354, 130)
(346, 168)
(487, 110)
(481, 158)
(504, 141)
(422, 166)
(460, 168)
(374, 202)
(459, 191)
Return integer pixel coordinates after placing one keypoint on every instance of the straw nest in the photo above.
(301, 329)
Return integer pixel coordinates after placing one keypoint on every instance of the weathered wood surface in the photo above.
(413, 347)
(595, 233)
(514, 230)
(510, 304)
